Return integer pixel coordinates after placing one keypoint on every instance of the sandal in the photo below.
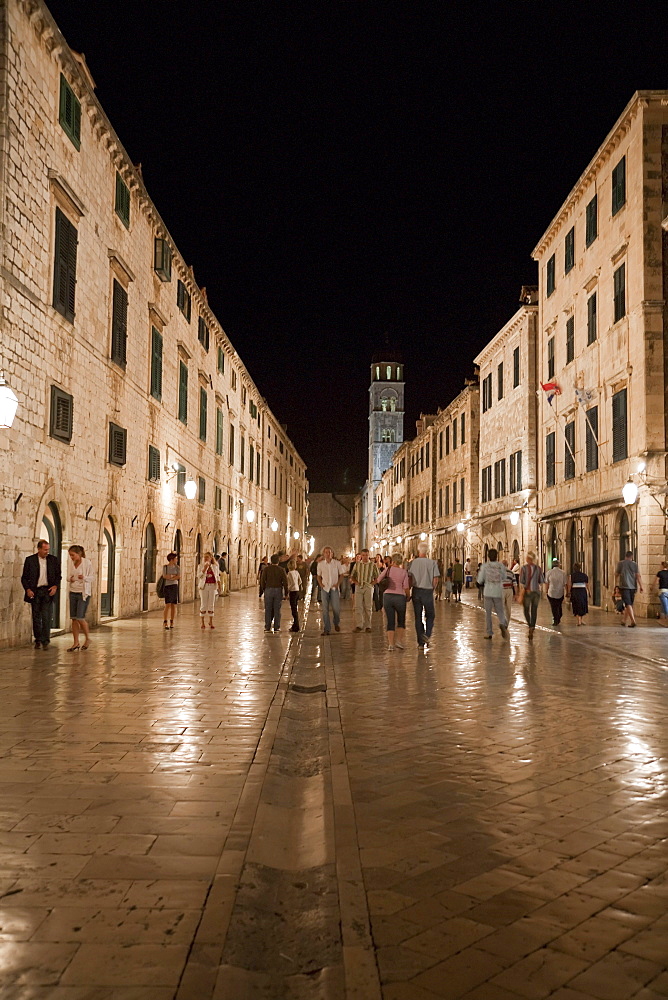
(166, 624)
(72, 649)
(85, 645)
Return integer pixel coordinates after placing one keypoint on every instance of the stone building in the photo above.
(456, 432)
(507, 518)
(330, 521)
(602, 274)
(129, 390)
(386, 412)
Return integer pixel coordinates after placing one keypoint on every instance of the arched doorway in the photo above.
(553, 547)
(596, 561)
(516, 553)
(53, 533)
(150, 555)
(216, 545)
(178, 542)
(572, 546)
(198, 559)
(624, 535)
(107, 568)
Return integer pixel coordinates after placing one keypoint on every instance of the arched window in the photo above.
(388, 372)
(384, 405)
(378, 372)
(400, 372)
(624, 535)
(388, 435)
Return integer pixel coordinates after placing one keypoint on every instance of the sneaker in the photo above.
(399, 646)
(390, 649)
(337, 628)
(38, 645)
(267, 630)
(504, 631)
(358, 629)
(367, 630)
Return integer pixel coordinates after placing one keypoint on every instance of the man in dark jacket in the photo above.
(274, 586)
(40, 579)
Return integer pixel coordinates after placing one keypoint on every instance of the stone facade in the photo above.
(602, 273)
(329, 517)
(123, 340)
(507, 451)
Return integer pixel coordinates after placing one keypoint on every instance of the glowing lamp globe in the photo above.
(8, 403)
(423, 535)
(399, 539)
(190, 489)
(295, 535)
(461, 527)
(274, 525)
(630, 493)
(250, 516)
(514, 517)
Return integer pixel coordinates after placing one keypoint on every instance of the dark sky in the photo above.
(338, 172)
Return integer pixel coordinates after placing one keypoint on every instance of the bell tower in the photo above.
(386, 412)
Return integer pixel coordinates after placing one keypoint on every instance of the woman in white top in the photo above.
(294, 587)
(207, 581)
(80, 576)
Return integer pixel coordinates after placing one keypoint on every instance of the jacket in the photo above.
(201, 573)
(273, 576)
(85, 568)
(30, 574)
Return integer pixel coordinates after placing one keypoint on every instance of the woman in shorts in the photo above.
(171, 573)
(80, 576)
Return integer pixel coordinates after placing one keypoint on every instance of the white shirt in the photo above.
(87, 573)
(492, 575)
(294, 580)
(43, 579)
(329, 572)
(556, 582)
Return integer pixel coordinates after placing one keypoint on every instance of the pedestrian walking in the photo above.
(448, 584)
(171, 574)
(363, 577)
(438, 589)
(344, 589)
(508, 591)
(629, 579)
(491, 576)
(208, 575)
(457, 579)
(294, 588)
(394, 601)
(578, 584)
(532, 579)
(662, 586)
(303, 570)
(557, 582)
(468, 574)
(330, 573)
(80, 576)
(40, 580)
(224, 577)
(423, 574)
(480, 586)
(379, 588)
(264, 562)
(315, 588)
(273, 586)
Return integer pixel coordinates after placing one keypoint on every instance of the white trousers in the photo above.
(508, 601)
(363, 605)
(207, 598)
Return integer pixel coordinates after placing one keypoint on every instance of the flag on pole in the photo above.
(552, 389)
(584, 396)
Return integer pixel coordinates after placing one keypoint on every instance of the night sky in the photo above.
(338, 173)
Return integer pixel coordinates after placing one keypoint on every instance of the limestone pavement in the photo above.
(232, 814)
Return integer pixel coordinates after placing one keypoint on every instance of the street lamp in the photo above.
(190, 489)
(399, 539)
(461, 527)
(514, 517)
(274, 525)
(296, 536)
(250, 516)
(8, 403)
(630, 493)
(423, 535)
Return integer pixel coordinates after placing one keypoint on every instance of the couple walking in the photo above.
(41, 578)
(418, 582)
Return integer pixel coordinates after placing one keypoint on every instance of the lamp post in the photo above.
(190, 489)
(8, 403)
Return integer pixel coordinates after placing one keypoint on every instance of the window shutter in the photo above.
(619, 450)
(549, 460)
(69, 113)
(117, 444)
(569, 450)
(162, 259)
(156, 363)
(153, 464)
(61, 414)
(591, 319)
(591, 424)
(516, 367)
(518, 471)
(202, 414)
(219, 431)
(65, 266)
(183, 392)
(119, 324)
(122, 202)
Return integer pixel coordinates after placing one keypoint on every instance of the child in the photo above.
(617, 602)
(448, 584)
(294, 587)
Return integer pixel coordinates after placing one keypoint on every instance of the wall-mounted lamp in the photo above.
(8, 403)
(514, 517)
(250, 516)
(295, 535)
(461, 527)
(190, 489)
(630, 493)
(274, 525)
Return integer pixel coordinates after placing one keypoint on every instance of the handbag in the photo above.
(160, 587)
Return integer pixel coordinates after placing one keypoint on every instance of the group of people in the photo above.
(41, 579)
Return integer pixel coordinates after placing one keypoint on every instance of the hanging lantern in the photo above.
(8, 403)
(190, 489)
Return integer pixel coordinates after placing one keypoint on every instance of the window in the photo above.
(230, 505)
(499, 381)
(252, 409)
(258, 471)
(233, 382)
(454, 498)
(569, 250)
(242, 454)
(201, 489)
(426, 455)
(591, 221)
(487, 484)
(619, 448)
(440, 502)
(387, 435)
(447, 440)
(515, 471)
(421, 510)
(122, 201)
(62, 410)
(220, 364)
(218, 498)
(569, 450)
(69, 114)
(499, 479)
(591, 438)
(219, 431)
(162, 259)
(619, 186)
(251, 460)
(153, 464)
(117, 444)
(462, 429)
(487, 393)
(65, 266)
(619, 283)
(550, 358)
(549, 460)
(181, 479)
(388, 372)
(447, 500)
(203, 333)
(551, 279)
(202, 413)
(461, 491)
(183, 299)
(454, 434)
(591, 319)
(570, 339)
(183, 392)
(156, 363)
(231, 445)
(119, 324)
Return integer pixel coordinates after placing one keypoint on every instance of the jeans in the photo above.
(330, 598)
(530, 604)
(495, 603)
(272, 606)
(556, 603)
(423, 601)
(315, 588)
(664, 603)
(395, 604)
(294, 607)
(508, 603)
(363, 605)
(457, 589)
(41, 614)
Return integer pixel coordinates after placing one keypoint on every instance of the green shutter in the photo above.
(122, 203)
(119, 324)
(69, 113)
(591, 319)
(549, 460)
(619, 447)
(219, 431)
(183, 392)
(591, 433)
(156, 363)
(153, 464)
(65, 266)
(202, 414)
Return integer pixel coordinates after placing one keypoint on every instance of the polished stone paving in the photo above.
(230, 814)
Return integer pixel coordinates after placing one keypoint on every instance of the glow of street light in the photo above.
(514, 517)
(274, 525)
(8, 403)
(630, 493)
(399, 539)
(190, 489)
(641, 466)
(461, 527)
(296, 535)
(250, 516)
(423, 535)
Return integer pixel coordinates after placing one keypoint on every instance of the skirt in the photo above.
(579, 601)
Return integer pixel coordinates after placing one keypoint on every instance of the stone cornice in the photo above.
(511, 327)
(65, 193)
(640, 100)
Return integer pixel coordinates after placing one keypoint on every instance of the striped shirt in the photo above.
(364, 573)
